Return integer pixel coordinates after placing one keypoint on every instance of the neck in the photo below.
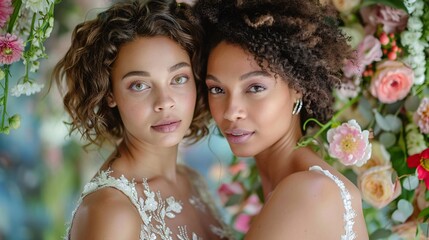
(137, 160)
(279, 161)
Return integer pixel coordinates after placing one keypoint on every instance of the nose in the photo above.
(234, 110)
(164, 101)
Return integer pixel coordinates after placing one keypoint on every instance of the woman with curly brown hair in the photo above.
(271, 65)
(130, 78)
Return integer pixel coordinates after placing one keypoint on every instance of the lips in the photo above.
(238, 136)
(166, 126)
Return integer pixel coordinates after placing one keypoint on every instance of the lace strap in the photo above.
(349, 214)
(103, 180)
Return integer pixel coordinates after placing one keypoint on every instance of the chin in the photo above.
(243, 152)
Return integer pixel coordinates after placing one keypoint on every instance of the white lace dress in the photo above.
(349, 213)
(154, 210)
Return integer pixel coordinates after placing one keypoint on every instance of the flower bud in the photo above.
(15, 121)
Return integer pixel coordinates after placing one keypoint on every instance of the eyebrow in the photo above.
(242, 77)
(147, 74)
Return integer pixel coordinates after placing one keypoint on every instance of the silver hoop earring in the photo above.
(297, 106)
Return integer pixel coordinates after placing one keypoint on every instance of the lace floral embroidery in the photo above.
(349, 214)
(153, 209)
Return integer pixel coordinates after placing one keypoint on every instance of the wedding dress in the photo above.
(349, 213)
(154, 210)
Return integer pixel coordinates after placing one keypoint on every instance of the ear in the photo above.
(296, 94)
(110, 100)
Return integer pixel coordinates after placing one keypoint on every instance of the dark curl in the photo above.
(299, 39)
(85, 70)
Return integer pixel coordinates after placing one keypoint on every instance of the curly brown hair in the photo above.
(85, 70)
(299, 40)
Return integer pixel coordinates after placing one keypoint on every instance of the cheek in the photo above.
(216, 110)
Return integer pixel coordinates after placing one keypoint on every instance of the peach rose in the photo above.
(379, 157)
(377, 187)
(392, 81)
(345, 6)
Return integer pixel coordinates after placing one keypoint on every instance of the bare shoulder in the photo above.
(305, 205)
(106, 214)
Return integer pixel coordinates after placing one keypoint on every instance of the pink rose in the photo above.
(421, 117)
(392, 19)
(392, 81)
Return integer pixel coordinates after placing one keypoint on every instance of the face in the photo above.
(252, 108)
(154, 90)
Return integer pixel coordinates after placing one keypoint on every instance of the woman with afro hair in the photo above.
(271, 65)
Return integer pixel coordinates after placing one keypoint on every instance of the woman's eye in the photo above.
(215, 90)
(180, 80)
(138, 86)
(256, 89)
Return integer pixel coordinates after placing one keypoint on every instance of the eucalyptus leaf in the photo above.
(381, 233)
(424, 229)
(412, 103)
(388, 139)
(404, 211)
(394, 122)
(381, 121)
(410, 182)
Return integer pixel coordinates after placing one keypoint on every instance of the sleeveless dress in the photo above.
(154, 210)
(349, 213)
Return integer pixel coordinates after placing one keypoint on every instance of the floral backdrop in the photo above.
(378, 136)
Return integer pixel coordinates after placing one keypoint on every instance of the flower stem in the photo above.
(327, 125)
(17, 6)
(5, 93)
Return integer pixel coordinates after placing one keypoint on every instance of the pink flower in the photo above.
(392, 19)
(392, 81)
(6, 10)
(226, 191)
(238, 167)
(11, 48)
(421, 117)
(242, 222)
(252, 205)
(368, 51)
(349, 144)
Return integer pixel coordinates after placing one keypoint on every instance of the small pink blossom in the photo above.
(349, 144)
(392, 19)
(242, 223)
(238, 167)
(6, 10)
(11, 48)
(392, 81)
(421, 117)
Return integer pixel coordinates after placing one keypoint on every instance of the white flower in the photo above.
(151, 204)
(38, 5)
(26, 88)
(173, 205)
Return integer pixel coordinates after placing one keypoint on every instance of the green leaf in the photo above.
(381, 233)
(424, 214)
(233, 200)
(399, 4)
